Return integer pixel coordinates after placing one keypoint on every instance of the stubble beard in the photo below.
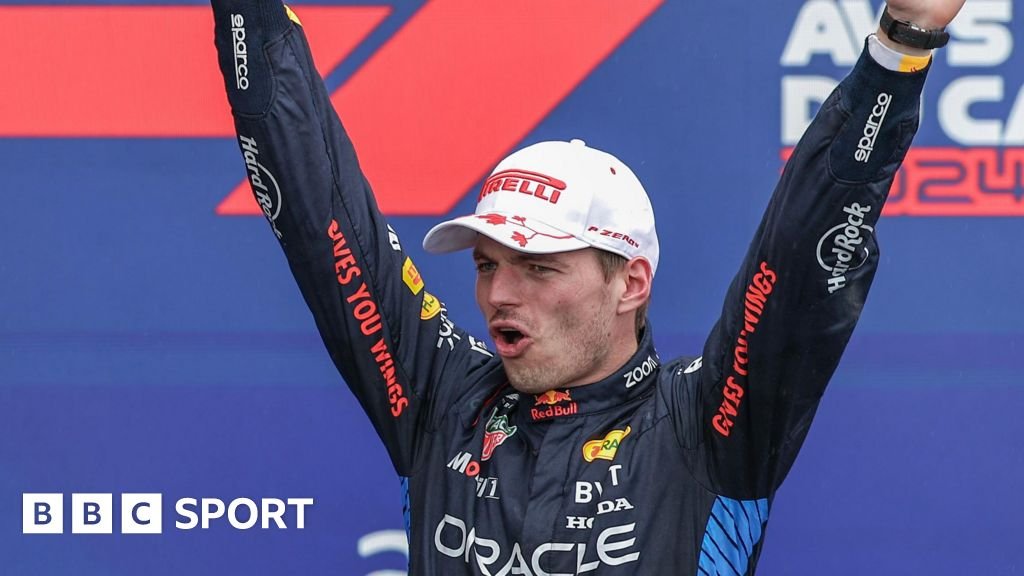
(582, 345)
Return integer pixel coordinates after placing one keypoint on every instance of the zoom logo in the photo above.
(143, 513)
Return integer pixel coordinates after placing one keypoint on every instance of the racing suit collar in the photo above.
(632, 380)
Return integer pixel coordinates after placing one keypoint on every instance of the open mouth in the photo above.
(510, 341)
(509, 336)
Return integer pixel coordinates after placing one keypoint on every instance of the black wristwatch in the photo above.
(909, 35)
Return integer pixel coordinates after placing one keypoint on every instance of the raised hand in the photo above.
(927, 14)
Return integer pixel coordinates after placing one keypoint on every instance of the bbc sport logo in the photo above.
(142, 513)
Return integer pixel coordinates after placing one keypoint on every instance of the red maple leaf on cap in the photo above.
(518, 237)
(494, 219)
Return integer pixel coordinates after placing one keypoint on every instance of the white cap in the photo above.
(556, 197)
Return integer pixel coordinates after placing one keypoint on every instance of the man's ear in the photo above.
(638, 285)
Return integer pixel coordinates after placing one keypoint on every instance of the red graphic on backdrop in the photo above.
(137, 71)
(444, 132)
(151, 71)
(957, 182)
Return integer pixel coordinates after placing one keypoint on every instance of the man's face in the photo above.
(550, 315)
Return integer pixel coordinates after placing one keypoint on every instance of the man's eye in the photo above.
(485, 266)
(540, 269)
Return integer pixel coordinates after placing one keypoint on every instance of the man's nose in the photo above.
(504, 288)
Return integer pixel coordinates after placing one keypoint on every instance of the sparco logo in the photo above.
(264, 185)
(872, 127)
(241, 53)
(614, 548)
(843, 247)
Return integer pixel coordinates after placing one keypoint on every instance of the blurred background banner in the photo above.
(152, 340)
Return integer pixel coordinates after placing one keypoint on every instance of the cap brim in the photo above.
(521, 234)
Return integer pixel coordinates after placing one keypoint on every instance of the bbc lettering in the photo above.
(93, 513)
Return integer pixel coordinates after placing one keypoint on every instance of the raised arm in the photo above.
(793, 305)
(379, 323)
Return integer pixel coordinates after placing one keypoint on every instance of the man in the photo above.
(577, 449)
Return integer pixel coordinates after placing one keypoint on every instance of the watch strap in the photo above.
(910, 35)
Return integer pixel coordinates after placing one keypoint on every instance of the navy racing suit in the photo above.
(665, 466)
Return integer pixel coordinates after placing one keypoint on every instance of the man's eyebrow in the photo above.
(545, 258)
(519, 258)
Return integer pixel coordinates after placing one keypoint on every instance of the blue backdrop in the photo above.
(151, 344)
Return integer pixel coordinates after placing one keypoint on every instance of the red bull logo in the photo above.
(554, 400)
(552, 397)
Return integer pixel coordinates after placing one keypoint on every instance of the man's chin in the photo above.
(527, 378)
